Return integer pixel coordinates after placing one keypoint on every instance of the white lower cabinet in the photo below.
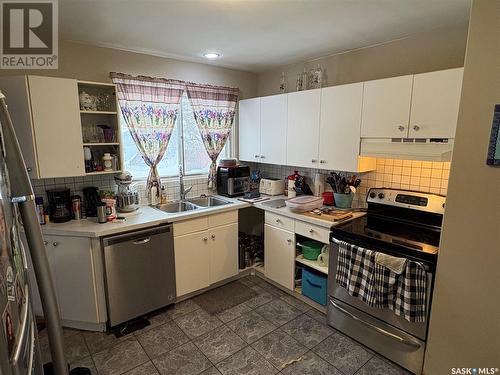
(75, 267)
(192, 257)
(279, 256)
(207, 256)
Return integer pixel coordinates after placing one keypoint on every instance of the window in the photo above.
(187, 150)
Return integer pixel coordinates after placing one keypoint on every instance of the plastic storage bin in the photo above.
(314, 285)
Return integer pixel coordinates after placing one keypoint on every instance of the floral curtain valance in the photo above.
(214, 111)
(150, 107)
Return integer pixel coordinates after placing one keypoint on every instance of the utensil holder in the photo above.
(343, 200)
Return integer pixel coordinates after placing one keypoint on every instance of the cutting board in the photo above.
(333, 216)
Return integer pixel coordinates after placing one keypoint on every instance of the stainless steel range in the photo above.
(402, 224)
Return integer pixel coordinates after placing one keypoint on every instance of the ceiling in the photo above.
(253, 35)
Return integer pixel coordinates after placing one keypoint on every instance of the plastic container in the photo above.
(304, 203)
(328, 198)
(314, 286)
(310, 249)
(343, 200)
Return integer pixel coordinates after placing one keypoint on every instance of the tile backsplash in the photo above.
(431, 177)
(106, 182)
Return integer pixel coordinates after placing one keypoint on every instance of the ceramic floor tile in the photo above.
(278, 312)
(161, 339)
(311, 364)
(211, 371)
(379, 366)
(197, 323)
(120, 358)
(85, 362)
(246, 362)
(187, 359)
(247, 280)
(158, 319)
(182, 308)
(279, 348)
(97, 341)
(251, 326)
(275, 291)
(146, 369)
(233, 312)
(261, 298)
(343, 353)
(298, 304)
(319, 316)
(75, 347)
(219, 344)
(307, 331)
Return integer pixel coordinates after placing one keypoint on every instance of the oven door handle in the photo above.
(378, 329)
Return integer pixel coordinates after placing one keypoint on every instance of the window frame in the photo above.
(229, 148)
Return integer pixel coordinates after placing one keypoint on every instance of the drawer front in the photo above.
(190, 226)
(224, 218)
(279, 221)
(312, 231)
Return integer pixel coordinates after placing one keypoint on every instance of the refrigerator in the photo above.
(19, 347)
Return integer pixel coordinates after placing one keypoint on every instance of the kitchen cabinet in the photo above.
(79, 290)
(249, 130)
(279, 256)
(45, 114)
(273, 123)
(192, 260)
(206, 251)
(223, 252)
(434, 104)
(386, 107)
(340, 127)
(303, 128)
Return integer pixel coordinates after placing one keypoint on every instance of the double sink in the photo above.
(192, 204)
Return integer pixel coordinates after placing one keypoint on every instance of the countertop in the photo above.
(297, 216)
(148, 216)
(145, 217)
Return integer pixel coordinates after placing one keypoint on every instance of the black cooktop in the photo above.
(393, 236)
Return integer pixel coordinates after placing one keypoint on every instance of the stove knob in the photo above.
(372, 194)
(381, 195)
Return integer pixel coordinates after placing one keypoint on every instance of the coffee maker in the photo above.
(59, 205)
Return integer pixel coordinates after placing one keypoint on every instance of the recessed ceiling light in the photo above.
(211, 55)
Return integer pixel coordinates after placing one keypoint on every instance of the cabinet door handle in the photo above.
(416, 128)
(143, 241)
(55, 243)
(45, 243)
(28, 169)
(311, 231)
(278, 220)
(262, 157)
(289, 240)
(256, 156)
(205, 239)
(401, 128)
(314, 161)
(213, 236)
(322, 161)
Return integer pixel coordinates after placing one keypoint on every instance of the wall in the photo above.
(94, 64)
(439, 49)
(465, 319)
(424, 176)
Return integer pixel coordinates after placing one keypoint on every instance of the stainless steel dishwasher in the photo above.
(140, 272)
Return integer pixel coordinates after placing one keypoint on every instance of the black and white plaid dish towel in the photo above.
(379, 286)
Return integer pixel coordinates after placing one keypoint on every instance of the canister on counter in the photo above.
(76, 203)
(101, 213)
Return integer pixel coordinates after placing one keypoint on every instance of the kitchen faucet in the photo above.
(182, 192)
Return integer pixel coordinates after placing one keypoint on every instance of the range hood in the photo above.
(408, 148)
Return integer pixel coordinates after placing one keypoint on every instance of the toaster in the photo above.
(272, 186)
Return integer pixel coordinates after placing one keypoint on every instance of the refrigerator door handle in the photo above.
(21, 332)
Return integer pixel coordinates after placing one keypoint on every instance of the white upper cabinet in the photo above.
(273, 121)
(56, 122)
(340, 126)
(435, 102)
(303, 128)
(249, 130)
(386, 107)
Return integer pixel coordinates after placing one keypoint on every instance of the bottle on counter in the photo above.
(40, 210)
(153, 194)
(163, 197)
(76, 204)
(319, 184)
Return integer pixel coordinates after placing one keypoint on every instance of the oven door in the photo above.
(385, 315)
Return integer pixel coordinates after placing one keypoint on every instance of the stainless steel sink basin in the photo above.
(208, 201)
(175, 207)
